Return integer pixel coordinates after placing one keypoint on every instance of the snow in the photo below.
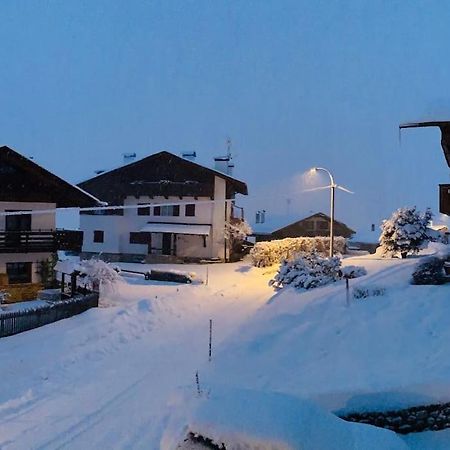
(106, 378)
(102, 379)
(22, 306)
(383, 352)
(282, 422)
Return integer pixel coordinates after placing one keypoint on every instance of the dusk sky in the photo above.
(294, 84)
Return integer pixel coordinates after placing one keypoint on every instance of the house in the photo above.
(27, 240)
(444, 189)
(184, 212)
(315, 225)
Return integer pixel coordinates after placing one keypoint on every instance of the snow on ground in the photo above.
(379, 353)
(244, 419)
(104, 379)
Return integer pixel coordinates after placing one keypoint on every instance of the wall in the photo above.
(117, 228)
(220, 214)
(38, 221)
(410, 420)
(34, 258)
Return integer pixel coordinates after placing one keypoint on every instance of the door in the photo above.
(167, 244)
(14, 225)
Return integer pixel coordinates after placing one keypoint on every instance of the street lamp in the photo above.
(333, 186)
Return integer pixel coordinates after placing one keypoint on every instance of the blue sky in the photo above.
(294, 84)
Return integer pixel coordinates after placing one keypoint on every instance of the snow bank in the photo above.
(253, 420)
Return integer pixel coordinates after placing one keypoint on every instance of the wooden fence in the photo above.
(19, 321)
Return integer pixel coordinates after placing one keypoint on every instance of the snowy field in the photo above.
(107, 378)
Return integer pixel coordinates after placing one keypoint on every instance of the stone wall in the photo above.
(410, 420)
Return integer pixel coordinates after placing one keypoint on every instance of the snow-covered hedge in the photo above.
(311, 270)
(265, 254)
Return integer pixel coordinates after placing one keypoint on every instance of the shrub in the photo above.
(311, 270)
(405, 232)
(361, 292)
(431, 271)
(353, 272)
(265, 254)
(98, 273)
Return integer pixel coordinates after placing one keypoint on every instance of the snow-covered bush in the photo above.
(237, 230)
(4, 296)
(353, 272)
(98, 273)
(265, 254)
(361, 292)
(307, 272)
(431, 271)
(405, 232)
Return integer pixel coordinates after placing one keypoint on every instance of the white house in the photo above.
(187, 209)
(27, 240)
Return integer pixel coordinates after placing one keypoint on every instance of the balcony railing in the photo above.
(40, 241)
(444, 199)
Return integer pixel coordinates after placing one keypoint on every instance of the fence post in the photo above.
(347, 292)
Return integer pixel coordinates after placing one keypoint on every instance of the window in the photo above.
(190, 210)
(99, 236)
(144, 211)
(19, 272)
(21, 222)
(137, 237)
(322, 225)
(309, 224)
(166, 210)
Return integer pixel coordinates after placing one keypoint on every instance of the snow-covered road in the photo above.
(103, 379)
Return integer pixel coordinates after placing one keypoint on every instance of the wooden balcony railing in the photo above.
(444, 198)
(40, 241)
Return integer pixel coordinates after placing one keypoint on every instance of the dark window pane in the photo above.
(144, 211)
(19, 272)
(98, 236)
(176, 210)
(190, 210)
(157, 211)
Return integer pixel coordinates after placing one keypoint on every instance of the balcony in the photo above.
(40, 241)
(444, 199)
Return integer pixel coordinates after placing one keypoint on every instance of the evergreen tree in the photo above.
(405, 232)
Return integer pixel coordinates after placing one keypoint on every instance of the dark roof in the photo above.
(160, 174)
(22, 180)
(319, 214)
(444, 126)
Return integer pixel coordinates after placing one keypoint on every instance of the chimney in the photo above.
(190, 156)
(258, 217)
(128, 158)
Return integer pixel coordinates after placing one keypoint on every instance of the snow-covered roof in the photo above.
(178, 228)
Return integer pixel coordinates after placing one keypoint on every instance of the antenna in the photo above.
(229, 147)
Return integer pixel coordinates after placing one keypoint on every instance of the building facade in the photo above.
(173, 209)
(29, 238)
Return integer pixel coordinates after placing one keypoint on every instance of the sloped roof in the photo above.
(22, 180)
(444, 126)
(319, 214)
(162, 173)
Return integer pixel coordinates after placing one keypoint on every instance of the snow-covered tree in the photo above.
(237, 230)
(405, 232)
(98, 273)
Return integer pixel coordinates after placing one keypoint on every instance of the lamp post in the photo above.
(332, 187)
